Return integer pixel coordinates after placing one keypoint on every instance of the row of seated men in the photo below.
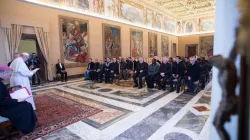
(162, 73)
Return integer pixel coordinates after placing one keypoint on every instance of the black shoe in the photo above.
(164, 89)
(177, 91)
(140, 87)
(159, 88)
(171, 90)
(135, 86)
(100, 81)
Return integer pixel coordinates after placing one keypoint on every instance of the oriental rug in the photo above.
(55, 112)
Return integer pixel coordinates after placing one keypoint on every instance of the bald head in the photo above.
(5, 72)
(165, 60)
(140, 60)
(156, 57)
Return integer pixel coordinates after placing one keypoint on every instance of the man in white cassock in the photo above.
(21, 73)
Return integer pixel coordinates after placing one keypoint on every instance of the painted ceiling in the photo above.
(185, 9)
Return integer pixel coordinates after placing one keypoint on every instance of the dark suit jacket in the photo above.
(165, 68)
(142, 66)
(194, 72)
(91, 66)
(179, 69)
(115, 67)
(58, 68)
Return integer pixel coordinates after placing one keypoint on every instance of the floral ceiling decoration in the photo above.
(176, 17)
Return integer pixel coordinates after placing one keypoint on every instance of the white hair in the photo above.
(25, 54)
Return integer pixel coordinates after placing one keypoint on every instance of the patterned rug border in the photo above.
(61, 125)
(93, 123)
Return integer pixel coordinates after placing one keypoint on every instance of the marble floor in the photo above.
(132, 114)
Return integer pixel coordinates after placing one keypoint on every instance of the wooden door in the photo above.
(191, 51)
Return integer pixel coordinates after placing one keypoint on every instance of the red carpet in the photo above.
(55, 112)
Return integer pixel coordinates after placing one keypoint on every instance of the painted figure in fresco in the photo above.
(69, 2)
(153, 48)
(84, 4)
(158, 21)
(189, 27)
(178, 27)
(109, 46)
(132, 15)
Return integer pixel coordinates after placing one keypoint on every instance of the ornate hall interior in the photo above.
(126, 69)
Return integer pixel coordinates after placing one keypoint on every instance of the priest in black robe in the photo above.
(19, 112)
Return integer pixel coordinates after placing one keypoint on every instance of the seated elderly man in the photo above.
(89, 69)
(123, 68)
(152, 73)
(114, 70)
(140, 72)
(193, 74)
(164, 73)
(19, 112)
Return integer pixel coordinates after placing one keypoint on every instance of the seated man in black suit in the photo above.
(100, 70)
(152, 73)
(192, 75)
(106, 69)
(61, 70)
(129, 68)
(123, 68)
(114, 70)
(89, 69)
(177, 73)
(93, 74)
(140, 71)
(203, 72)
(164, 73)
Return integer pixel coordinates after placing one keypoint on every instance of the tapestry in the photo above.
(158, 21)
(136, 43)
(206, 46)
(164, 46)
(55, 112)
(131, 11)
(152, 43)
(174, 50)
(74, 39)
(112, 41)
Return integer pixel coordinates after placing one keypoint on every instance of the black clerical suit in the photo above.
(203, 73)
(152, 73)
(93, 74)
(178, 71)
(129, 69)
(106, 71)
(61, 70)
(123, 69)
(114, 70)
(87, 73)
(35, 62)
(20, 114)
(141, 71)
(194, 74)
(166, 69)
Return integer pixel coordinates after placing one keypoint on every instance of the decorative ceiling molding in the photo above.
(184, 9)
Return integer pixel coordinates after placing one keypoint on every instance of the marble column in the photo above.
(227, 18)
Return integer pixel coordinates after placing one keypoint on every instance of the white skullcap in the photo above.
(26, 54)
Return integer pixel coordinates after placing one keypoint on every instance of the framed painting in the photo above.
(136, 43)
(111, 41)
(131, 11)
(206, 46)
(164, 46)
(152, 43)
(74, 41)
